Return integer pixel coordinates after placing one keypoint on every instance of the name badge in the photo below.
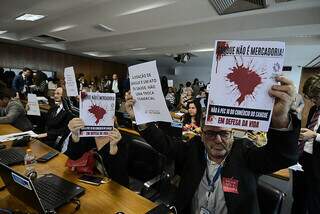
(230, 185)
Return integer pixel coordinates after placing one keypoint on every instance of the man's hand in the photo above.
(307, 134)
(129, 104)
(74, 126)
(113, 138)
(284, 96)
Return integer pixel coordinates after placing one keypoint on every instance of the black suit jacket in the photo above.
(244, 163)
(316, 152)
(18, 83)
(56, 125)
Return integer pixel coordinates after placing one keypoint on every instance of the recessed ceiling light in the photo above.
(38, 40)
(304, 36)
(56, 46)
(30, 17)
(96, 54)
(203, 50)
(62, 28)
(137, 49)
(3, 31)
(148, 7)
(104, 28)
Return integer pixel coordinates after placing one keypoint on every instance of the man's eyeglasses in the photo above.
(225, 135)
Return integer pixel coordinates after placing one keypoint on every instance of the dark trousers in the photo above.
(305, 194)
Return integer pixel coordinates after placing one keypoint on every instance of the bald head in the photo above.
(58, 93)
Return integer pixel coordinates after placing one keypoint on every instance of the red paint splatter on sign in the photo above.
(222, 46)
(98, 112)
(245, 80)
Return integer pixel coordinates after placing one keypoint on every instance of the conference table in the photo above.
(110, 197)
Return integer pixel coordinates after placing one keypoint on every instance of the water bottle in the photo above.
(30, 164)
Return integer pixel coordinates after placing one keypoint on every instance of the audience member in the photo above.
(187, 89)
(171, 97)
(306, 184)
(194, 115)
(21, 81)
(164, 85)
(40, 87)
(56, 125)
(220, 172)
(195, 87)
(12, 111)
(111, 150)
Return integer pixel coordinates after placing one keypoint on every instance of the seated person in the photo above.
(184, 99)
(194, 114)
(219, 172)
(12, 111)
(111, 149)
(57, 122)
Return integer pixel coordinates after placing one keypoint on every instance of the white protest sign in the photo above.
(242, 73)
(145, 88)
(33, 105)
(70, 80)
(170, 83)
(97, 111)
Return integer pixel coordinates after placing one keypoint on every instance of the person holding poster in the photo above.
(220, 172)
(111, 151)
(306, 183)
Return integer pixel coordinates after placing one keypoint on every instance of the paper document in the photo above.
(296, 167)
(150, 105)
(242, 73)
(33, 105)
(170, 83)
(70, 80)
(97, 111)
(14, 136)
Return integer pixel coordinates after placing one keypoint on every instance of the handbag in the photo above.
(84, 165)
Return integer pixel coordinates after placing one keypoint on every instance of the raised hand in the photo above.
(284, 96)
(74, 126)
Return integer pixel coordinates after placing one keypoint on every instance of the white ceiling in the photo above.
(161, 26)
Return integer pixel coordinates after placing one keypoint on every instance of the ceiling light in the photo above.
(203, 50)
(137, 49)
(30, 17)
(3, 31)
(96, 54)
(61, 28)
(104, 28)
(147, 7)
(304, 36)
(56, 46)
(38, 40)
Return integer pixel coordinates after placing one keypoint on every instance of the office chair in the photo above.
(270, 198)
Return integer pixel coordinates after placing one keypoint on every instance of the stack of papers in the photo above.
(14, 136)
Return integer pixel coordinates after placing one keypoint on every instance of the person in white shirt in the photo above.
(306, 184)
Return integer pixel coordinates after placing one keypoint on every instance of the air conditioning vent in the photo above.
(49, 39)
(233, 6)
(314, 63)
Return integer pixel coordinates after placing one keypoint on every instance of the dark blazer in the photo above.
(115, 165)
(18, 83)
(244, 163)
(316, 152)
(56, 125)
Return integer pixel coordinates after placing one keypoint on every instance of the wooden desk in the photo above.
(106, 198)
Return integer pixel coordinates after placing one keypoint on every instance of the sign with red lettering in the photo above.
(242, 73)
(230, 185)
(97, 111)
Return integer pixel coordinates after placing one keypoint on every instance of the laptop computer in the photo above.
(45, 194)
(12, 156)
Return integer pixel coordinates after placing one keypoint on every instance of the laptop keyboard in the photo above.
(49, 194)
(12, 156)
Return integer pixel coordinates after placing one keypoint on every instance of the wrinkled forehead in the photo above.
(215, 128)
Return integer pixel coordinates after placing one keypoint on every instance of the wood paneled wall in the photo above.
(306, 73)
(17, 56)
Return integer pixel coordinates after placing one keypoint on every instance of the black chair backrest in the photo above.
(270, 198)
